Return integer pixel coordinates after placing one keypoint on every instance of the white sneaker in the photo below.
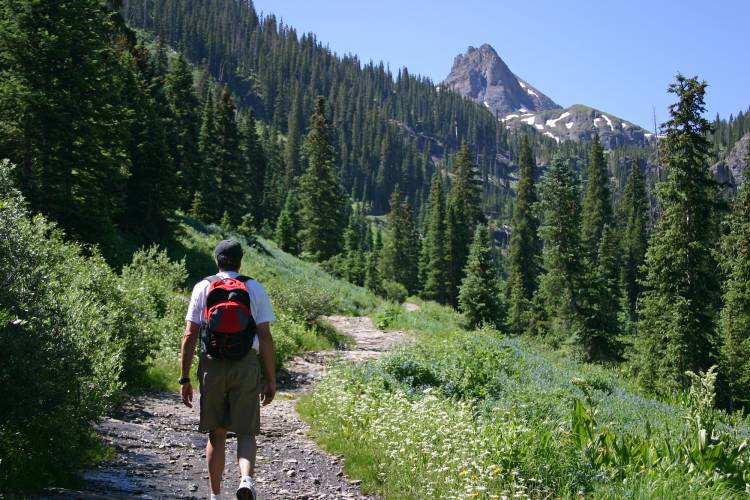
(246, 490)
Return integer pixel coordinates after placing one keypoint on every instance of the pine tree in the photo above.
(321, 194)
(254, 167)
(373, 281)
(597, 208)
(208, 174)
(558, 286)
(183, 136)
(463, 214)
(62, 112)
(734, 324)
(354, 255)
(681, 288)
(400, 257)
(434, 271)
(292, 147)
(228, 159)
(479, 297)
(288, 226)
(635, 238)
(523, 264)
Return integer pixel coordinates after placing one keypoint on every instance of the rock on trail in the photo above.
(160, 454)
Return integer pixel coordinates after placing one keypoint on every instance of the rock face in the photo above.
(580, 123)
(481, 75)
(730, 170)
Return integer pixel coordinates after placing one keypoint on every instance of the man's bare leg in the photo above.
(215, 457)
(246, 450)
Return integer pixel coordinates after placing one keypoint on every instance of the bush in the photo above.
(394, 291)
(302, 300)
(60, 359)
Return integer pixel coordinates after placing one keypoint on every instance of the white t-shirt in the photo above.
(260, 305)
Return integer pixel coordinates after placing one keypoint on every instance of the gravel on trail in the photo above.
(160, 454)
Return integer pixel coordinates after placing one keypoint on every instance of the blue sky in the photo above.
(616, 56)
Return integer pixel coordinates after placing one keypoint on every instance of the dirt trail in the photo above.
(160, 453)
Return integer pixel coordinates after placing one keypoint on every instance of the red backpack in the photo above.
(228, 328)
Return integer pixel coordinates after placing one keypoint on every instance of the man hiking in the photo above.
(230, 314)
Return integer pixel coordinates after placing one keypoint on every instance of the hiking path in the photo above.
(159, 453)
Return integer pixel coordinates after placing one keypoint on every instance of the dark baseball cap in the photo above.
(229, 248)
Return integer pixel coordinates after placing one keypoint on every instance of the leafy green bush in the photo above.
(61, 357)
(394, 291)
(302, 300)
(149, 285)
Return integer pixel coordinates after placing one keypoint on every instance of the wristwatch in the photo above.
(184, 380)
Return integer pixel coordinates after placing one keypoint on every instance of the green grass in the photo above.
(479, 415)
(300, 292)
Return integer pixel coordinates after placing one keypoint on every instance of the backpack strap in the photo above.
(211, 278)
(243, 278)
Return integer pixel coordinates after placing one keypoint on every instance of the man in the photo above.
(230, 388)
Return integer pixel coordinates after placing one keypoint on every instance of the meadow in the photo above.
(476, 414)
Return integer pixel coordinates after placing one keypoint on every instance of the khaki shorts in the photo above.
(230, 394)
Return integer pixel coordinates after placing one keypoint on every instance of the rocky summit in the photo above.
(729, 171)
(484, 77)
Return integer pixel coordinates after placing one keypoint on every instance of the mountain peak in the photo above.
(483, 76)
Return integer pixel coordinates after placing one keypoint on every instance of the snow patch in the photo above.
(648, 135)
(531, 92)
(553, 123)
(569, 125)
(549, 134)
(596, 121)
(486, 104)
(522, 110)
(529, 120)
(539, 126)
(609, 122)
(509, 117)
(625, 125)
(523, 85)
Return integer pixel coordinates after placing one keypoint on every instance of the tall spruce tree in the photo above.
(373, 280)
(597, 207)
(523, 264)
(254, 166)
(354, 266)
(61, 112)
(228, 158)
(208, 171)
(634, 239)
(479, 297)
(293, 140)
(400, 257)
(681, 285)
(183, 137)
(321, 195)
(288, 225)
(734, 323)
(434, 272)
(464, 213)
(559, 284)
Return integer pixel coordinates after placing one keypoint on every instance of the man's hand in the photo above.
(268, 393)
(186, 394)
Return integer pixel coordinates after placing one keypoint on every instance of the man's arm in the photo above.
(269, 361)
(187, 351)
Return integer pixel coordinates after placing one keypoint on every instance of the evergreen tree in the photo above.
(254, 167)
(183, 136)
(228, 159)
(464, 213)
(635, 238)
(434, 272)
(597, 208)
(61, 112)
(734, 323)
(373, 281)
(354, 254)
(288, 226)
(681, 288)
(603, 326)
(321, 194)
(524, 252)
(400, 257)
(559, 284)
(479, 297)
(208, 174)
(292, 147)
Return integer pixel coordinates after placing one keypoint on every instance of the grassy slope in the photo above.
(300, 292)
(476, 414)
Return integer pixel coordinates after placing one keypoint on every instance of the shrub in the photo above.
(394, 291)
(302, 299)
(60, 359)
